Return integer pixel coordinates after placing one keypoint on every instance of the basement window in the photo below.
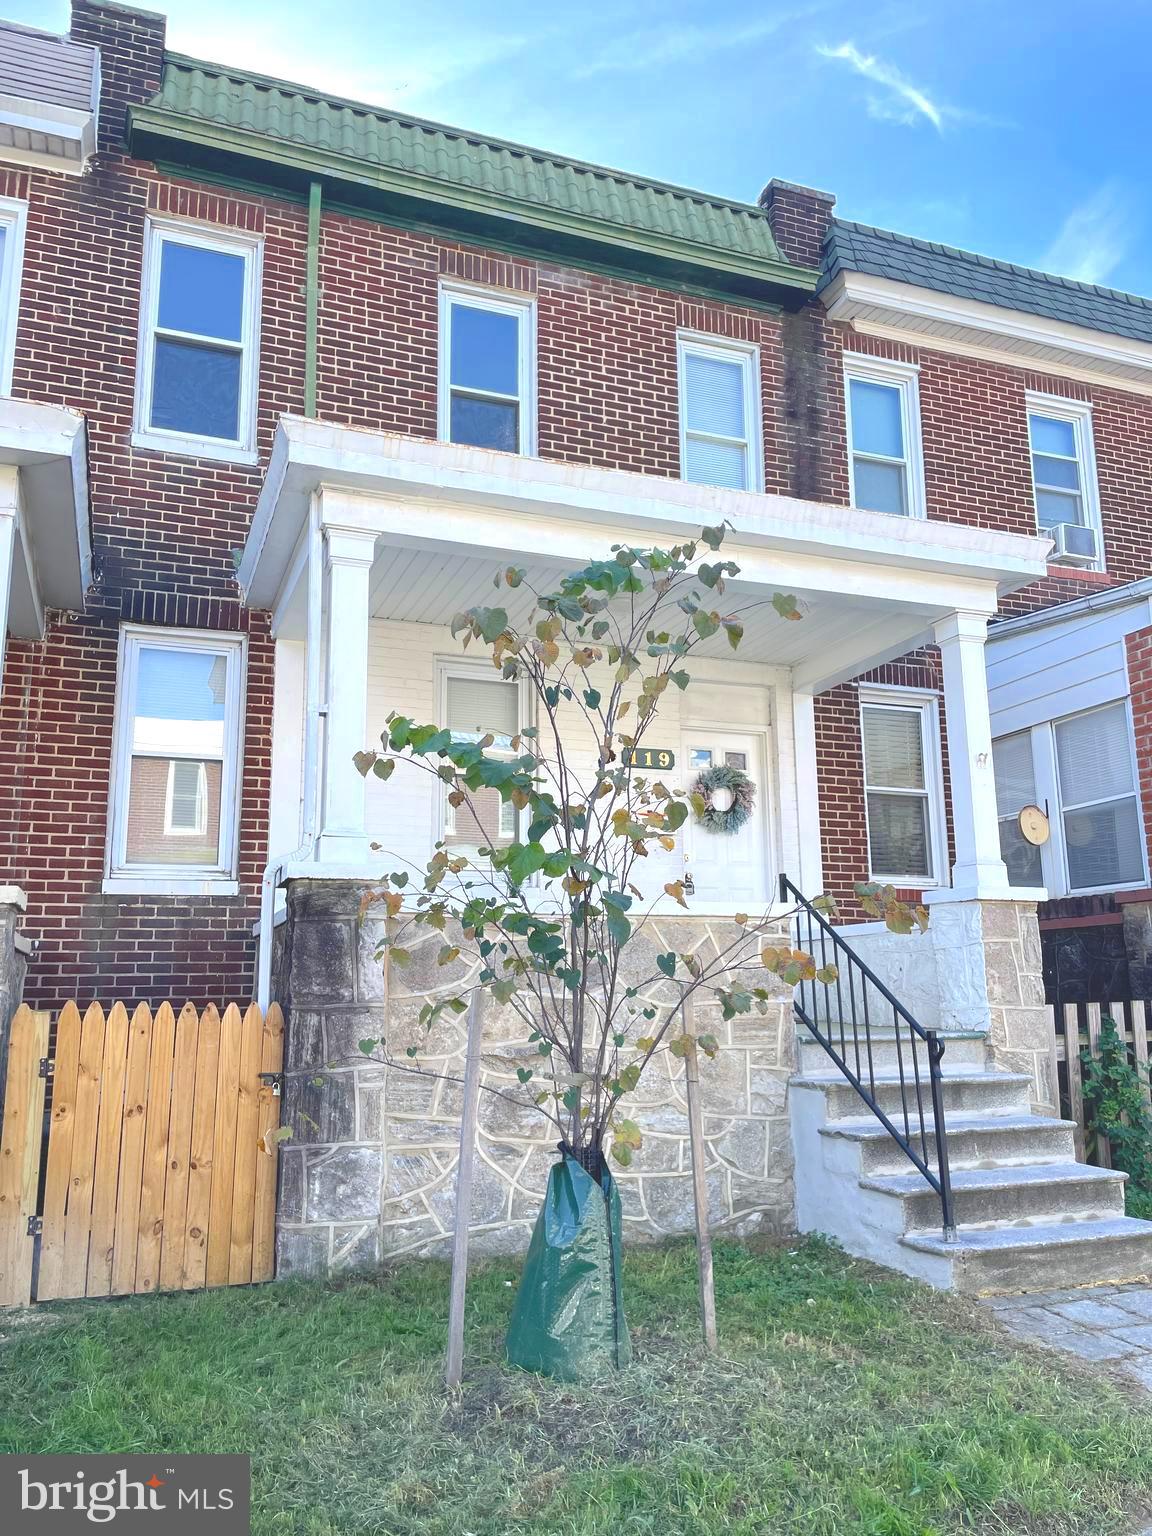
(883, 411)
(903, 787)
(487, 374)
(719, 414)
(176, 766)
(196, 390)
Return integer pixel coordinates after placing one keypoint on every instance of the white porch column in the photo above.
(979, 871)
(9, 507)
(347, 563)
(811, 871)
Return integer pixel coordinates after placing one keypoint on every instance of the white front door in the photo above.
(726, 867)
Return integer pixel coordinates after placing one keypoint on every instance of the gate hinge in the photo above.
(277, 1081)
(35, 1226)
(47, 1066)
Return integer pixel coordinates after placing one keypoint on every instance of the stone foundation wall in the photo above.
(369, 1173)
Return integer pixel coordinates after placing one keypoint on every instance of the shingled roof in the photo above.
(229, 112)
(851, 247)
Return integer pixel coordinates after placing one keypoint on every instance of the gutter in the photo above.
(1095, 602)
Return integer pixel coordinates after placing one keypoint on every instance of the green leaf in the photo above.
(368, 1046)
(592, 698)
(364, 762)
(667, 964)
(384, 767)
(525, 1074)
(735, 633)
(786, 605)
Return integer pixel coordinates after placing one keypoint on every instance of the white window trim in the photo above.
(446, 669)
(524, 311)
(201, 826)
(241, 450)
(904, 377)
(748, 356)
(927, 703)
(1079, 414)
(14, 218)
(164, 879)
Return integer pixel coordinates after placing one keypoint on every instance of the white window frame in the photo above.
(927, 704)
(445, 669)
(747, 356)
(14, 220)
(200, 827)
(166, 879)
(238, 450)
(1078, 413)
(904, 377)
(523, 310)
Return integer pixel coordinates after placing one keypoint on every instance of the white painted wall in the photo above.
(403, 815)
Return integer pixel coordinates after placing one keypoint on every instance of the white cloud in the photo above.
(1094, 239)
(902, 102)
(652, 48)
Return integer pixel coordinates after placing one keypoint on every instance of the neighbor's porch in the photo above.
(366, 544)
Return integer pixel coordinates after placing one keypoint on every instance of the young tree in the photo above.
(549, 916)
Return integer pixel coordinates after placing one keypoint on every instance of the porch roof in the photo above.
(447, 516)
(47, 444)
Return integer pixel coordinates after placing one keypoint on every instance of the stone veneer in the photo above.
(369, 1172)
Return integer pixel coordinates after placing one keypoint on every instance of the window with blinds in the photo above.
(897, 785)
(1016, 788)
(478, 706)
(1099, 807)
(187, 799)
(718, 416)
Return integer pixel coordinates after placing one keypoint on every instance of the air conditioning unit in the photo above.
(1075, 544)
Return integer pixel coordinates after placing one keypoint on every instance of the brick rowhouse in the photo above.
(165, 526)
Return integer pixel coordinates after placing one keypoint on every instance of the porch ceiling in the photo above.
(447, 518)
(53, 558)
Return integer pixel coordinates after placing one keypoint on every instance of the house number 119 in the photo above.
(649, 757)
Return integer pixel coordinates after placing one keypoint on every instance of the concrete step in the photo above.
(968, 1092)
(974, 1141)
(961, 1050)
(1001, 1260)
(1040, 1195)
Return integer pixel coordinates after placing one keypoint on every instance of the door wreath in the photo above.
(743, 792)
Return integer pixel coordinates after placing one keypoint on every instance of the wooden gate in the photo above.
(160, 1165)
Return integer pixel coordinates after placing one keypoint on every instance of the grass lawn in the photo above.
(846, 1403)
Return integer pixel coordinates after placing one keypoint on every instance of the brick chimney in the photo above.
(799, 217)
(131, 47)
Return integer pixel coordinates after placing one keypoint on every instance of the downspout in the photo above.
(312, 300)
(274, 871)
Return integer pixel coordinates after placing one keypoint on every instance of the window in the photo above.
(12, 220)
(884, 437)
(902, 784)
(477, 705)
(1063, 462)
(719, 415)
(177, 758)
(1100, 814)
(1016, 788)
(198, 363)
(486, 371)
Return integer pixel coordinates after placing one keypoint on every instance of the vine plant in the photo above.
(550, 918)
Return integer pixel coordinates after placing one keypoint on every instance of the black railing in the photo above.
(851, 1016)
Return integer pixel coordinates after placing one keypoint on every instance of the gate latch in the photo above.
(276, 1079)
(35, 1226)
(47, 1066)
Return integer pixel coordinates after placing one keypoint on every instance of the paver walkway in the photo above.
(1104, 1322)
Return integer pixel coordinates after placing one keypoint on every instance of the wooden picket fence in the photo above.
(157, 1167)
(1078, 1029)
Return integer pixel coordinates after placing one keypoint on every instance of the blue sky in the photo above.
(1012, 127)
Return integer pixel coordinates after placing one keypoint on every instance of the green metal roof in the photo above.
(229, 115)
(853, 247)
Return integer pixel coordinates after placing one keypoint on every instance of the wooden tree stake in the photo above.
(699, 1181)
(465, 1167)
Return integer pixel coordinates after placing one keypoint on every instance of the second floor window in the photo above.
(719, 421)
(197, 387)
(884, 437)
(1064, 477)
(12, 220)
(486, 371)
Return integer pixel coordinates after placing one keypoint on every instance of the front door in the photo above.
(727, 868)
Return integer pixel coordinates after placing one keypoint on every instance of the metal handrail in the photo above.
(857, 979)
